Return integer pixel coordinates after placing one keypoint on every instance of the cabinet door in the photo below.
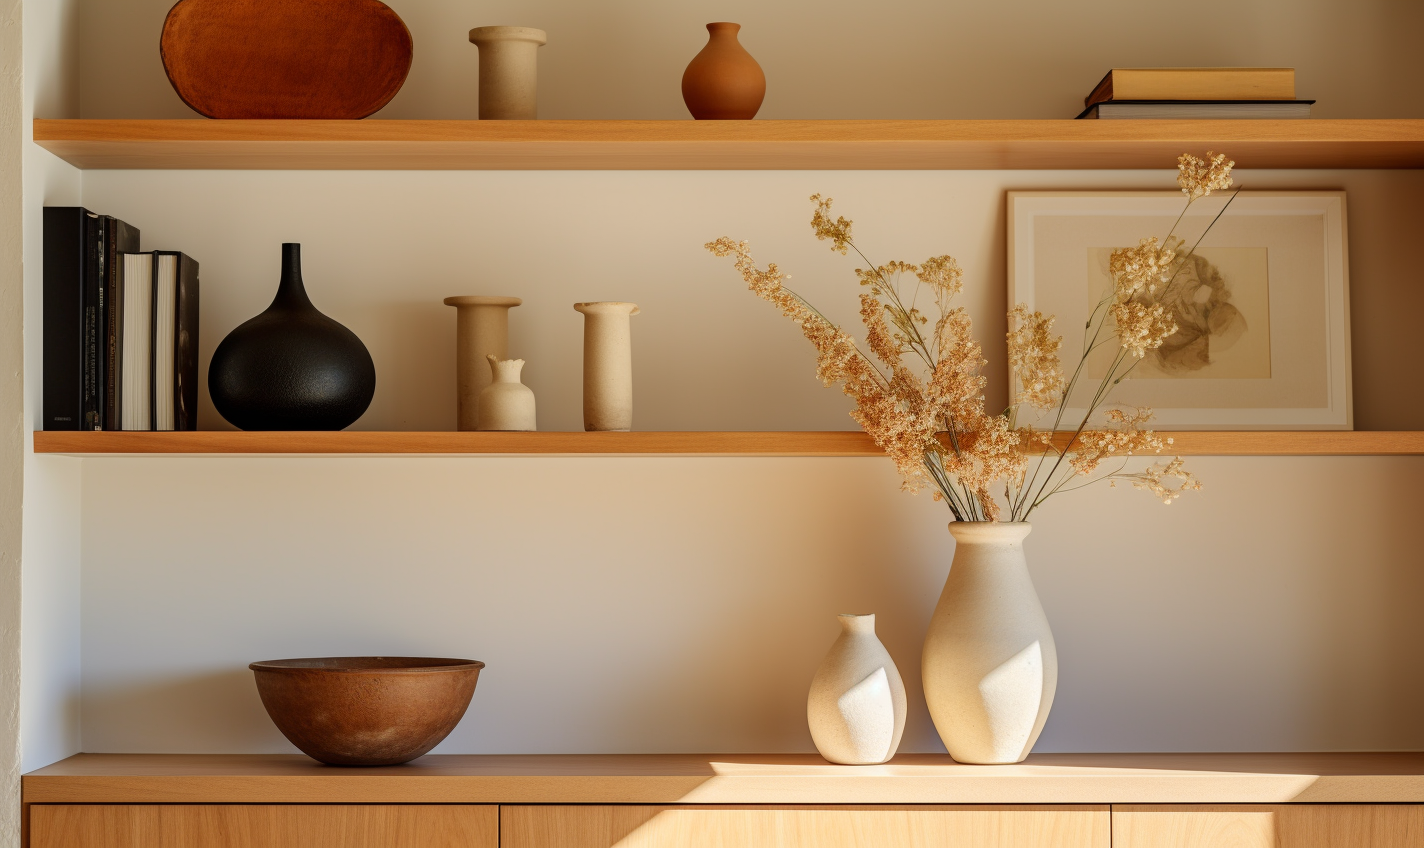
(803, 827)
(263, 826)
(1274, 826)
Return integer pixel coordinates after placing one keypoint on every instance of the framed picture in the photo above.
(1262, 305)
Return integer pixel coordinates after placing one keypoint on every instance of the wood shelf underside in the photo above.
(828, 443)
(724, 145)
(736, 779)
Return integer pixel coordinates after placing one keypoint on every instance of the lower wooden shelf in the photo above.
(686, 443)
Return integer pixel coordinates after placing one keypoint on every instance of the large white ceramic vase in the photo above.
(989, 665)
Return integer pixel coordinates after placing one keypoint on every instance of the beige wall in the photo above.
(844, 59)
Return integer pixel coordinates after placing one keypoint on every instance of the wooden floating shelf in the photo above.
(692, 443)
(721, 145)
(733, 779)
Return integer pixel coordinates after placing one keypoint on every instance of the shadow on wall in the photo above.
(192, 710)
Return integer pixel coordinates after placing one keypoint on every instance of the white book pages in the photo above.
(165, 318)
(138, 309)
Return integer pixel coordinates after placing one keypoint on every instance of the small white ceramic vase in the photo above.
(607, 365)
(509, 71)
(506, 404)
(481, 329)
(856, 707)
(990, 667)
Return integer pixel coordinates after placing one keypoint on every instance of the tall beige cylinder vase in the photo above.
(481, 329)
(607, 364)
(509, 71)
(856, 706)
(990, 667)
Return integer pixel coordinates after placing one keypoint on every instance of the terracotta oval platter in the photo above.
(285, 58)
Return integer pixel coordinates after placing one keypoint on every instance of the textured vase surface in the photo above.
(509, 71)
(291, 367)
(506, 403)
(856, 706)
(607, 364)
(481, 330)
(723, 82)
(990, 667)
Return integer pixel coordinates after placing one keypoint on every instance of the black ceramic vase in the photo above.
(291, 368)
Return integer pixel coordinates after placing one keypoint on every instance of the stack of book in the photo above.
(120, 328)
(1196, 93)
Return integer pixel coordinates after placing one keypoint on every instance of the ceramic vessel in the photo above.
(856, 707)
(607, 365)
(366, 711)
(481, 330)
(509, 71)
(506, 404)
(990, 667)
(723, 82)
(291, 368)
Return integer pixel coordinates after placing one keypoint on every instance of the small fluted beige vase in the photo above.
(481, 329)
(509, 71)
(506, 403)
(856, 706)
(989, 664)
(607, 364)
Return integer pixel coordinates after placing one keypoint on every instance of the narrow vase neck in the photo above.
(290, 291)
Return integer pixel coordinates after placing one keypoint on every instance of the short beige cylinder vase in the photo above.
(481, 329)
(509, 71)
(990, 667)
(856, 706)
(506, 403)
(607, 365)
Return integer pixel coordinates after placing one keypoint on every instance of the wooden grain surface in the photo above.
(716, 145)
(735, 779)
(1295, 826)
(803, 827)
(827, 443)
(263, 826)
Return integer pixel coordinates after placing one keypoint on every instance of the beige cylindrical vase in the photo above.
(506, 403)
(989, 665)
(481, 329)
(856, 706)
(607, 365)
(509, 71)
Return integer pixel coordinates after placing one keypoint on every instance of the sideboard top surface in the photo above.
(736, 779)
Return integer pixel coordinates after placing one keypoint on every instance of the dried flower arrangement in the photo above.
(923, 401)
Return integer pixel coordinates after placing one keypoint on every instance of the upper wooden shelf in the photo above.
(721, 145)
(733, 779)
(827, 443)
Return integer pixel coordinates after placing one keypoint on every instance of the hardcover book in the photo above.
(1195, 84)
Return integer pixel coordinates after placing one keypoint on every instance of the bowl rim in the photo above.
(419, 665)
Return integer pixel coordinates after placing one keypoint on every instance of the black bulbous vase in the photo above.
(291, 368)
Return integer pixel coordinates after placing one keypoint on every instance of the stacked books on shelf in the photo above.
(120, 328)
(1188, 93)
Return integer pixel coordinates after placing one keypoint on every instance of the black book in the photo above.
(120, 238)
(174, 375)
(96, 236)
(70, 249)
(1197, 109)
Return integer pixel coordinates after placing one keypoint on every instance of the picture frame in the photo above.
(1262, 305)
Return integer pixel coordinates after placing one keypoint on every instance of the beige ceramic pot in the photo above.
(607, 365)
(481, 329)
(990, 666)
(723, 82)
(506, 403)
(509, 71)
(856, 706)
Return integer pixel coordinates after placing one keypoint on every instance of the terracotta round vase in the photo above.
(723, 82)
(990, 667)
(856, 706)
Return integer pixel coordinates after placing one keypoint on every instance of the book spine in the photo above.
(63, 317)
(153, 345)
(93, 299)
(185, 347)
(122, 239)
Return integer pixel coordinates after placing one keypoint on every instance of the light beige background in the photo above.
(645, 604)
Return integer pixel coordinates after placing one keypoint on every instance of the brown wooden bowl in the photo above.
(366, 711)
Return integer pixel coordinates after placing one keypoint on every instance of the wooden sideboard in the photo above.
(786, 801)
